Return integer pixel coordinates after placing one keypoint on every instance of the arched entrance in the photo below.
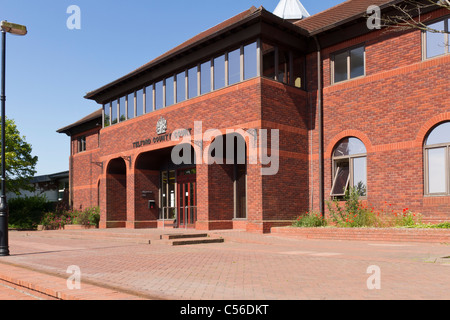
(116, 194)
(166, 187)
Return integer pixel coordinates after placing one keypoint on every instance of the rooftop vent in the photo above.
(291, 10)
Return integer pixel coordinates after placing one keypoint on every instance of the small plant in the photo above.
(352, 213)
(54, 221)
(310, 220)
(57, 220)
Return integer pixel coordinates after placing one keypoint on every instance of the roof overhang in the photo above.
(89, 122)
(257, 23)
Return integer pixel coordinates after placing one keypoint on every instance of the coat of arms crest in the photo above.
(161, 126)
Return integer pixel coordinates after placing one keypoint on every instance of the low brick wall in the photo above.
(366, 234)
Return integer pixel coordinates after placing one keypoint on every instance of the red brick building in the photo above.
(373, 115)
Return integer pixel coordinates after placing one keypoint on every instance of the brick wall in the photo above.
(391, 110)
(84, 172)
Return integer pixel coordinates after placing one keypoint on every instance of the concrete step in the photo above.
(183, 236)
(187, 239)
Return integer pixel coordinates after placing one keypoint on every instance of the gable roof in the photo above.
(203, 36)
(340, 14)
(94, 116)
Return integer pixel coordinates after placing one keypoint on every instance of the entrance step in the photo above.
(183, 236)
(182, 239)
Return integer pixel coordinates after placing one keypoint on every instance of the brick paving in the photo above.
(119, 264)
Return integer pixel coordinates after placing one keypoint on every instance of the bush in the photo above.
(52, 220)
(27, 212)
(352, 214)
(88, 217)
(57, 220)
(310, 220)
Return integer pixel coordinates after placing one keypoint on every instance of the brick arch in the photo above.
(348, 133)
(428, 126)
(241, 132)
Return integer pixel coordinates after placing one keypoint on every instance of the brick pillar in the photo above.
(103, 213)
(202, 197)
(131, 194)
(254, 198)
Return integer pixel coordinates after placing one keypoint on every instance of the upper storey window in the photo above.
(283, 64)
(348, 64)
(239, 63)
(437, 42)
(82, 144)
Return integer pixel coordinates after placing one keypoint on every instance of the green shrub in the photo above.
(352, 214)
(27, 212)
(310, 220)
(52, 220)
(87, 217)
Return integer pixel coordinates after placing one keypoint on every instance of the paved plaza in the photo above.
(121, 264)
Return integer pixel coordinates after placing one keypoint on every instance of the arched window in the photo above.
(437, 160)
(349, 167)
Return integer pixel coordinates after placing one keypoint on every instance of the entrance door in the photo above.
(187, 198)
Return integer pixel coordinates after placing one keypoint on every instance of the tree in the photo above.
(20, 164)
(412, 14)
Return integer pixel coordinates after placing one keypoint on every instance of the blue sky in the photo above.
(51, 69)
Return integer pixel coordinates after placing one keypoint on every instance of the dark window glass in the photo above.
(341, 179)
(357, 62)
(342, 70)
(82, 144)
(268, 52)
(340, 67)
(283, 65)
(298, 69)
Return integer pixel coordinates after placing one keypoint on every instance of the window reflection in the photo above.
(169, 91)
(181, 86)
(130, 105)
(219, 72)
(122, 107)
(139, 102)
(205, 73)
(149, 99)
(349, 167)
(192, 82)
(250, 61)
(234, 66)
(159, 96)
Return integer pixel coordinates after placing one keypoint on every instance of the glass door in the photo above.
(187, 198)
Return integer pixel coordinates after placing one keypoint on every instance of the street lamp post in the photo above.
(20, 31)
